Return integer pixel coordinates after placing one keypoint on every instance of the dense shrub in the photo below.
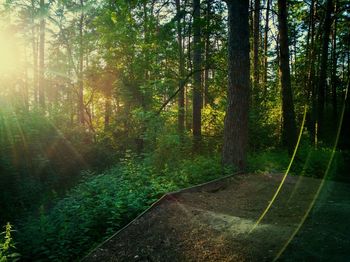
(38, 160)
(103, 203)
(7, 245)
(309, 161)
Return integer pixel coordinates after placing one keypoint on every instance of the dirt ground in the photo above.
(213, 223)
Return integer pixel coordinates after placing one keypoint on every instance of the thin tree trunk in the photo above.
(207, 53)
(334, 64)
(35, 55)
(265, 46)
(256, 43)
(289, 133)
(81, 110)
(41, 87)
(197, 76)
(323, 69)
(236, 120)
(181, 95)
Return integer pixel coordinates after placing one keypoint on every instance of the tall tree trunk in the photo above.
(207, 53)
(236, 119)
(26, 82)
(108, 99)
(256, 43)
(41, 87)
(323, 67)
(35, 54)
(265, 45)
(81, 106)
(334, 64)
(181, 95)
(310, 65)
(197, 52)
(289, 132)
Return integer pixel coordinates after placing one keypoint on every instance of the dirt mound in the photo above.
(213, 222)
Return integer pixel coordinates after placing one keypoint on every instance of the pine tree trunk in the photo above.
(265, 46)
(197, 98)
(256, 44)
(181, 95)
(35, 55)
(289, 133)
(236, 120)
(323, 67)
(334, 64)
(207, 53)
(81, 113)
(41, 87)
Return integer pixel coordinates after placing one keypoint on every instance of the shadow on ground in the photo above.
(213, 222)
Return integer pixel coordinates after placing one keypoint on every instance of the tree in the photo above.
(41, 88)
(266, 33)
(236, 119)
(197, 75)
(256, 45)
(181, 95)
(81, 106)
(323, 65)
(289, 133)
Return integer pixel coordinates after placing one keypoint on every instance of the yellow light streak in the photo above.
(322, 183)
(9, 56)
(285, 175)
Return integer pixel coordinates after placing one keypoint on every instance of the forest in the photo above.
(106, 105)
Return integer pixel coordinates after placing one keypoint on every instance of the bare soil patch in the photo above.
(213, 223)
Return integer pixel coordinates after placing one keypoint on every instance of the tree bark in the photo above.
(81, 109)
(323, 67)
(236, 120)
(289, 133)
(35, 54)
(256, 42)
(197, 76)
(181, 95)
(265, 45)
(207, 53)
(334, 64)
(41, 87)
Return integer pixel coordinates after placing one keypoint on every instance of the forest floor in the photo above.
(212, 222)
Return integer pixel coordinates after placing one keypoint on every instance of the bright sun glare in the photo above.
(9, 57)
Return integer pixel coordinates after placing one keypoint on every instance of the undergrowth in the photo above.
(103, 203)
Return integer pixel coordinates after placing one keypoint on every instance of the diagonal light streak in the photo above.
(322, 183)
(285, 175)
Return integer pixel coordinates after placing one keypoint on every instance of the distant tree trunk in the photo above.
(334, 64)
(256, 44)
(289, 133)
(181, 95)
(197, 52)
(35, 54)
(41, 88)
(26, 82)
(310, 50)
(207, 53)
(81, 108)
(265, 45)
(108, 102)
(323, 67)
(236, 119)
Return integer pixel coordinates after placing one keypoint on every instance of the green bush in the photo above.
(7, 246)
(103, 203)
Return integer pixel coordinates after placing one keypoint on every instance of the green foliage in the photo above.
(309, 161)
(7, 246)
(102, 203)
(38, 159)
(269, 161)
(314, 162)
